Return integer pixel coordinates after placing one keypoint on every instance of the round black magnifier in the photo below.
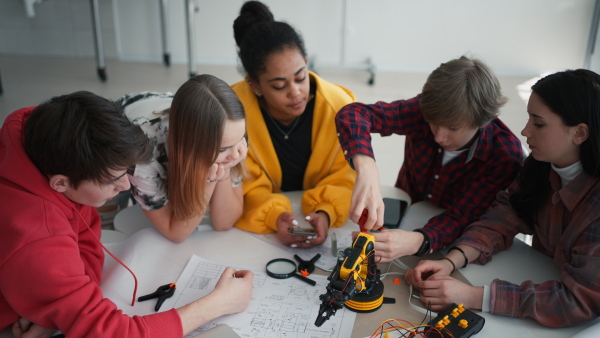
(282, 268)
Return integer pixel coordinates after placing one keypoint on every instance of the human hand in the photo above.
(285, 222)
(24, 328)
(320, 222)
(234, 289)
(366, 193)
(425, 269)
(441, 291)
(217, 172)
(393, 243)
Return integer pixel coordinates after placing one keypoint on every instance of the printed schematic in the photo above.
(280, 308)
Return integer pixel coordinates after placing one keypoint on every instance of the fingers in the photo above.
(441, 291)
(319, 222)
(245, 274)
(308, 243)
(422, 272)
(294, 241)
(21, 326)
(228, 272)
(415, 276)
(17, 331)
(435, 282)
(374, 219)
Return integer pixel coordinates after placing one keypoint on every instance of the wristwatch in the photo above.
(425, 246)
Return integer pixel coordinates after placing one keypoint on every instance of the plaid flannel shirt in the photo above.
(465, 187)
(567, 228)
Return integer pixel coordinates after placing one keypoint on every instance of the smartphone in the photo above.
(394, 211)
(303, 231)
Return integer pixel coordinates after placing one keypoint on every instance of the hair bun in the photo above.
(251, 14)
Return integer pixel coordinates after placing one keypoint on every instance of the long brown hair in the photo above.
(197, 117)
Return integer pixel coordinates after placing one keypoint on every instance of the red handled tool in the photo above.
(363, 219)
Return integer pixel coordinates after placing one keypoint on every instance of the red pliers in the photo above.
(162, 293)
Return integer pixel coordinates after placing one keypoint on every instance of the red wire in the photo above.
(111, 255)
(345, 286)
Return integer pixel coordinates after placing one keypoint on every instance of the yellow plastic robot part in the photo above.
(455, 313)
(365, 306)
(461, 308)
(446, 320)
(359, 267)
(463, 323)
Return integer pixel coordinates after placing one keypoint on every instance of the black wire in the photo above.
(425, 318)
(397, 329)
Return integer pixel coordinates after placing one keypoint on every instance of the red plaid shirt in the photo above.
(466, 186)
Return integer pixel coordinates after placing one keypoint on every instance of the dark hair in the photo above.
(462, 92)
(257, 35)
(83, 136)
(574, 95)
(199, 111)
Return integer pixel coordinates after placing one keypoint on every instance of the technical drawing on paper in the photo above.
(280, 308)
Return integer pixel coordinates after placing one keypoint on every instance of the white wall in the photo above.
(59, 28)
(516, 37)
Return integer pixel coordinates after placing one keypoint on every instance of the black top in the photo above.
(293, 152)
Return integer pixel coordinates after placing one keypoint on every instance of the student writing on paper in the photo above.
(61, 160)
(556, 197)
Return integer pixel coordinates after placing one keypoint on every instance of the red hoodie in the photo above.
(50, 262)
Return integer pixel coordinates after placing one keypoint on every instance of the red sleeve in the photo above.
(47, 282)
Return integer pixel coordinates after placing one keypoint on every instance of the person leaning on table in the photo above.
(198, 136)
(556, 197)
(458, 154)
(291, 132)
(61, 160)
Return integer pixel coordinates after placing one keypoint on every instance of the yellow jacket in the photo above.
(328, 180)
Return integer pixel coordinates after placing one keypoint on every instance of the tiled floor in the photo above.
(28, 81)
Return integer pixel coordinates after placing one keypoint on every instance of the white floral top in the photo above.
(149, 181)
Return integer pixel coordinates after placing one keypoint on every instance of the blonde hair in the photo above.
(462, 92)
(197, 117)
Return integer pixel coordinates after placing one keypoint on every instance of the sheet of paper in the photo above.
(279, 307)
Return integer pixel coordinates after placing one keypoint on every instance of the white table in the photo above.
(517, 264)
(157, 261)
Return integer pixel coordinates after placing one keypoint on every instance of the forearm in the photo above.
(200, 312)
(226, 205)
(460, 260)
(170, 226)
(364, 165)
